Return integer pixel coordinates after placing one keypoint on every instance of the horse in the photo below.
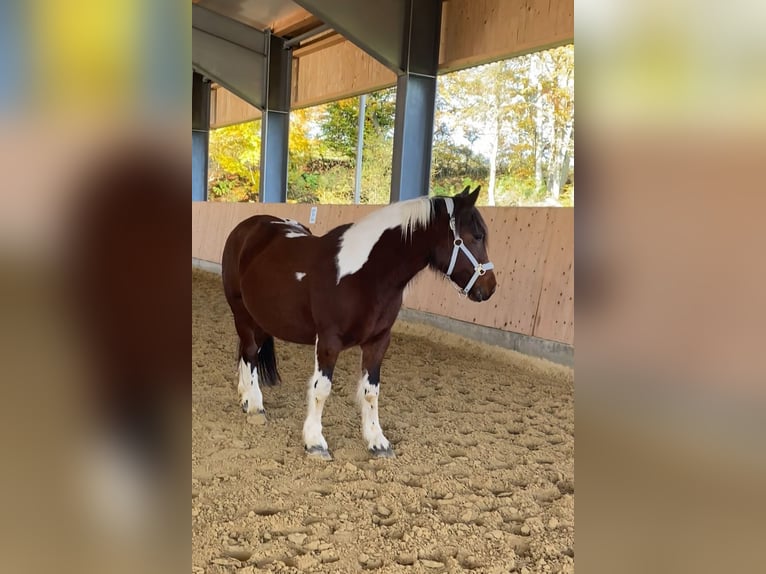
(341, 290)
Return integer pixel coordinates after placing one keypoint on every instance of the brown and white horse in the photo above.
(341, 290)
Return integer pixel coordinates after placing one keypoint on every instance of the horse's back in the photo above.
(248, 238)
(268, 263)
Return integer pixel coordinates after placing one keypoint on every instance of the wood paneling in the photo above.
(479, 31)
(227, 109)
(339, 70)
(294, 24)
(532, 249)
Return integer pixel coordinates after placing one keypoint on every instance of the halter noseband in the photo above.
(479, 269)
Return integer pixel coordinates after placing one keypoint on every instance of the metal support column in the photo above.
(413, 134)
(275, 122)
(404, 36)
(200, 135)
(416, 102)
(360, 148)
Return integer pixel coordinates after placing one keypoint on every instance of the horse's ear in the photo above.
(465, 200)
(474, 196)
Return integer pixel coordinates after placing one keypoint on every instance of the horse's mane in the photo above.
(358, 240)
(411, 214)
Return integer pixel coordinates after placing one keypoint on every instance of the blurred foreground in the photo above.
(95, 343)
(94, 296)
(669, 240)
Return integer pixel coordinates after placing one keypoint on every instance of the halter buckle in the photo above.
(480, 269)
(458, 241)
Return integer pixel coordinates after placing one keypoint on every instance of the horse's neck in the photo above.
(406, 257)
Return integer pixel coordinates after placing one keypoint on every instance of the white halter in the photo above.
(479, 269)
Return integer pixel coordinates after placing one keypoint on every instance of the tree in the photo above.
(508, 126)
(517, 114)
(235, 157)
(338, 125)
(339, 121)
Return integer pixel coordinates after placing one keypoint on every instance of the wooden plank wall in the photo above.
(227, 109)
(480, 31)
(532, 249)
(338, 71)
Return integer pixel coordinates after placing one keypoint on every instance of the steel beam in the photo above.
(231, 53)
(413, 136)
(404, 36)
(275, 122)
(377, 30)
(416, 102)
(200, 135)
(359, 148)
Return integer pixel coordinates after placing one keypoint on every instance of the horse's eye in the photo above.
(478, 237)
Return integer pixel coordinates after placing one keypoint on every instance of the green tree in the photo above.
(519, 115)
(339, 121)
(235, 157)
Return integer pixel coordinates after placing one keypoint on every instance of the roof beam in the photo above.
(295, 24)
(231, 53)
(378, 30)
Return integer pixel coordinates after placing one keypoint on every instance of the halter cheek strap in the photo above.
(479, 269)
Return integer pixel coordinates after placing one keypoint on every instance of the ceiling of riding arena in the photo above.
(281, 16)
(339, 53)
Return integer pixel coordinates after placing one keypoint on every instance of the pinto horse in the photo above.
(341, 290)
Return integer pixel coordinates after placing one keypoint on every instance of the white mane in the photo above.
(357, 241)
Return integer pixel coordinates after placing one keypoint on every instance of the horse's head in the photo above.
(461, 254)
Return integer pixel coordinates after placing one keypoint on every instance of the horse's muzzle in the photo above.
(484, 288)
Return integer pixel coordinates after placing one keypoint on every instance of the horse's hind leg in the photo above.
(367, 396)
(250, 396)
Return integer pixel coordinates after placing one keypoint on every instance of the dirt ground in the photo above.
(483, 480)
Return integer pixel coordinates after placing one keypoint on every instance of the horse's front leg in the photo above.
(325, 355)
(368, 393)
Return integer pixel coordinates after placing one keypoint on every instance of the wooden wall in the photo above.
(480, 31)
(227, 109)
(532, 249)
(338, 71)
(473, 32)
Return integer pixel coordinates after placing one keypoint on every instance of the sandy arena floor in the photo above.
(483, 480)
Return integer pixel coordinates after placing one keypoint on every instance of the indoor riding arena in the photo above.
(477, 399)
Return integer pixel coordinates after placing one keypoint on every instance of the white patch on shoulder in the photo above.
(300, 276)
(357, 241)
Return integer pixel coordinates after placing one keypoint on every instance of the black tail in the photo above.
(267, 364)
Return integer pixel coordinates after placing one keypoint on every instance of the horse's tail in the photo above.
(267, 364)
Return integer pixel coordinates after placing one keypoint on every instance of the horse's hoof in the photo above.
(318, 453)
(244, 407)
(257, 418)
(383, 452)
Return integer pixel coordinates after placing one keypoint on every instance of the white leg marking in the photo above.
(319, 390)
(249, 390)
(367, 397)
(245, 380)
(299, 276)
